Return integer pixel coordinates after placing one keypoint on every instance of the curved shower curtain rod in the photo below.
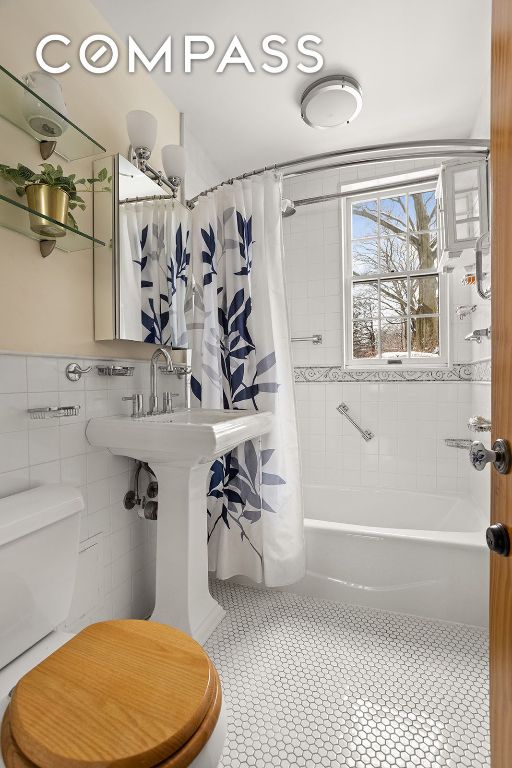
(385, 153)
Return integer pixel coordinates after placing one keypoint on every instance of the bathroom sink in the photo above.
(185, 437)
(180, 448)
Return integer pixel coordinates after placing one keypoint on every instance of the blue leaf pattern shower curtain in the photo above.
(241, 360)
(155, 290)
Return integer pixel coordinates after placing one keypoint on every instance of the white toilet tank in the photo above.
(39, 538)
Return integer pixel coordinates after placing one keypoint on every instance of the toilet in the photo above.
(123, 692)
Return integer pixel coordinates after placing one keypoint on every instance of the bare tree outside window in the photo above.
(395, 288)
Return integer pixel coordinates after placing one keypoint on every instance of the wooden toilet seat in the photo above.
(130, 694)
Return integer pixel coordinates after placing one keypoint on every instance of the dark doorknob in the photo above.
(498, 539)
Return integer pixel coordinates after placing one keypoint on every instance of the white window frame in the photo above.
(384, 190)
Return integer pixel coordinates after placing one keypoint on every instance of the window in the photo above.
(394, 292)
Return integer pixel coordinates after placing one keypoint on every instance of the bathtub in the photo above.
(416, 553)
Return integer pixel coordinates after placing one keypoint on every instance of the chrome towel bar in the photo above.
(365, 433)
(316, 338)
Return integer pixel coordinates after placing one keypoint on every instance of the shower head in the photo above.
(287, 208)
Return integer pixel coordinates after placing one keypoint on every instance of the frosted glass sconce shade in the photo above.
(40, 117)
(142, 127)
(174, 161)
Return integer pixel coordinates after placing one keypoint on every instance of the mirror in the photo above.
(142, 290)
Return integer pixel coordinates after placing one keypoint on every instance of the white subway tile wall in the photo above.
(37, 452)
(480, 485)
(410, 420)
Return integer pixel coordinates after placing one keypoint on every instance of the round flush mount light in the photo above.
(331, 102)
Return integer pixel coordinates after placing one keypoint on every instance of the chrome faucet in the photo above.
(479, 334)
(153, 399)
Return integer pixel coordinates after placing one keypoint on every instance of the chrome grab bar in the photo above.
(365, 433)
(316, 338)
(484, 294)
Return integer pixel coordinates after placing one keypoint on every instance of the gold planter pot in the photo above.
(52, 202)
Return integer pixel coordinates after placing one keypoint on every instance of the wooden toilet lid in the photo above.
(120, 693)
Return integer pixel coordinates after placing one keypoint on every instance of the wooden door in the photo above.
(501, 501)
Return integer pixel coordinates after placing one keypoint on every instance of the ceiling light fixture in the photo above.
(331, 102)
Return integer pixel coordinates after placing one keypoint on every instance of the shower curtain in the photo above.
(155, 258)
(241, 360)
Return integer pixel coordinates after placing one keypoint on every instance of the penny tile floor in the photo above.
(315, 683)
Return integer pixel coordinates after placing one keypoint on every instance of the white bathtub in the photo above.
(417, 553)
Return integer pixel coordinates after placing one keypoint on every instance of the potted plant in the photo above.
(52, 194)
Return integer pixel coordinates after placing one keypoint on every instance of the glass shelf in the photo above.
(72, 144)
(15, 216)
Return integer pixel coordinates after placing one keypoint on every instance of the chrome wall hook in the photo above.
(74, 372)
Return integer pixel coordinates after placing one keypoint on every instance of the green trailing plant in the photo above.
(53, 176)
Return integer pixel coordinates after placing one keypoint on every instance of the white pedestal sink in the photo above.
(180, 448)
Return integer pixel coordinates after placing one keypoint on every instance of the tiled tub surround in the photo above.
(480, 482)
(117, 582)
(410, 421)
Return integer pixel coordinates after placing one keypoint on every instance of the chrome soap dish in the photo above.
(458, 442)
(178, 370)
(54, 411)
(479, 424)
(464, 310)
(115, 370)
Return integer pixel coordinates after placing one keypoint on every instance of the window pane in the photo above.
(365, 339)
(467, 231)
(393, 254)
(365, 299)
(365, 257)
(393, 337)
(364, 219)
(467, 205)
(423, 250)
(393, 215)
(393, 297)
(425, 295)
(424, 336)
(423, 211)
(467, 179)
(396, 313)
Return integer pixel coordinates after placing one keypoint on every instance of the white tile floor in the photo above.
(311, 682)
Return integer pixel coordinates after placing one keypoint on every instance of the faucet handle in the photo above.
(167, 401)
(137, 405)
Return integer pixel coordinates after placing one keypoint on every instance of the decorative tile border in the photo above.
(481, 370)
(478, 371)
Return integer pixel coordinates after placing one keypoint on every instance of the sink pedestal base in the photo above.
(183, 599)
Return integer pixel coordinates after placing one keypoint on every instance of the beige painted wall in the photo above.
(46, 305)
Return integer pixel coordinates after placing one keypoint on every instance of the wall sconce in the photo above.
(47, 123)
(174, 162)
(142, 127)
(142, 130)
